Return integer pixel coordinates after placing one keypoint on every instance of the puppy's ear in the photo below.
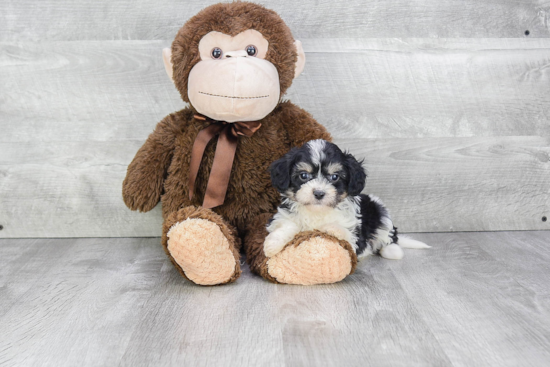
(357, 175)
(280, 171)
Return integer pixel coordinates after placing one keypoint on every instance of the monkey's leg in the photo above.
(310, 258)
(202, 246)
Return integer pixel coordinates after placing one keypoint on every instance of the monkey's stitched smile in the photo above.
(218, 95)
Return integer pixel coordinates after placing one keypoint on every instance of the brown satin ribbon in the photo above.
(223, 158)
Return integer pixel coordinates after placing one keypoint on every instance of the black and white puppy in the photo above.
(321, 190)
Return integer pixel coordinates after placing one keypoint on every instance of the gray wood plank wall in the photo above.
(147, 20)
(448, 101)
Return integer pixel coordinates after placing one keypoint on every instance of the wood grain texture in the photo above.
(82, 91)
(469, 297)
(73, 189)
(84, 306)
(459, 184)
(22, 265)
(474, 299)
(139, 20)
(233, 325)
(522, 254)
(427, 88)
(360, 322)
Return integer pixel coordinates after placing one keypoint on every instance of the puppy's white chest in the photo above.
(334, 221)
(309, 220)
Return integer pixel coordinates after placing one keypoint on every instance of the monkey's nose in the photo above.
(239, 53)
(318, 194)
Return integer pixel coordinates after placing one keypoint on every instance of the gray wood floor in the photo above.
(475, 299)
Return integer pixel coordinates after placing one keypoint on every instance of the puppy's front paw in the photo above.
(337, 231)
(273, 244)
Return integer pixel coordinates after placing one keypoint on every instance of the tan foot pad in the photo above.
(314, 261)
(202, 251)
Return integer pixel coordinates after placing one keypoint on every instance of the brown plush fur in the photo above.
(254, 246)
(160, 169)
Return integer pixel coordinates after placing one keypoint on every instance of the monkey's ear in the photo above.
(167, 58)
(301, 59)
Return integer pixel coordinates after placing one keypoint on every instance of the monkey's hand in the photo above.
(144, 180)
(141, 188)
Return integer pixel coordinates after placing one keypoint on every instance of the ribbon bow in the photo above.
(223, 158)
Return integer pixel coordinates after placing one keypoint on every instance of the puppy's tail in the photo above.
(407, 242)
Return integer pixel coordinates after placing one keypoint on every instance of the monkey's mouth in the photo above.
(233, 97)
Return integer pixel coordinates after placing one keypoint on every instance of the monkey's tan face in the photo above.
(233, 81)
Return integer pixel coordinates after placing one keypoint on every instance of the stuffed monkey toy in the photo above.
(208, 163)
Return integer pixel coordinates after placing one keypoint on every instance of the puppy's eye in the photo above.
(305, 176)
(333, 178)
(216, 53)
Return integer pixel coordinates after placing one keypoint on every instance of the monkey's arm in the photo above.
(301, 126)
(144, 180)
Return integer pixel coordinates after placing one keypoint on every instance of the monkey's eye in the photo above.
(333, 178)
(217, 53)
(305, 176)
(251, 50)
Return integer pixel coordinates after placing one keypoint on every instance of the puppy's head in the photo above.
(318, 174)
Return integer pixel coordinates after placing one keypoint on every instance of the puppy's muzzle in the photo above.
(318, 194)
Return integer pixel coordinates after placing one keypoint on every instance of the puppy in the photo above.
(321, 190)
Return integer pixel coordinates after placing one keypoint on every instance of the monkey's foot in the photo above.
(202, 252)
(313, 258)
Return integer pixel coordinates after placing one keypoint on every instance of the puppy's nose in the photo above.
(318, 194)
